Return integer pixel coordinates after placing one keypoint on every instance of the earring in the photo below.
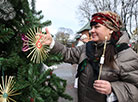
(111, 32)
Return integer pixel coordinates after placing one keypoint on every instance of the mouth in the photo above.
(94, 35)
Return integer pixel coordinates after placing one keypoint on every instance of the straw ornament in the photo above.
(38, 51)
(7, 90)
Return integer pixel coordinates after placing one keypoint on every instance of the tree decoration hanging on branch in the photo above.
(7, 89)
(33, 42)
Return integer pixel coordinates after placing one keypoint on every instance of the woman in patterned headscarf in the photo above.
(109, 21)
(119, 77)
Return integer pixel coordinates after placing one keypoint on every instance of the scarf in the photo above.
(94, 57)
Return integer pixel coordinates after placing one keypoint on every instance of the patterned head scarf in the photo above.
(111, 20)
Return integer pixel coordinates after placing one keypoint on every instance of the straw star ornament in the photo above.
(7, 90)
(33, 42)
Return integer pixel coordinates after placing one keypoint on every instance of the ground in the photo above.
(67, 72)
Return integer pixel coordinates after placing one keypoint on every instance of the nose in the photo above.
(92, 30)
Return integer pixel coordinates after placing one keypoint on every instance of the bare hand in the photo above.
(46, 39)
(102, 86)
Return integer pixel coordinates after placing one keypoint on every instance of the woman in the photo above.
(119, 77)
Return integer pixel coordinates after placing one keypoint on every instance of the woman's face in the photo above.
(99, 32)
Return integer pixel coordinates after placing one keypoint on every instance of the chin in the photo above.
(94, 39)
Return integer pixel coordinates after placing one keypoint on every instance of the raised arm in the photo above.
(70, 55)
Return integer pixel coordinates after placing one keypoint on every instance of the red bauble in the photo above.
(31, 100)
(27, 22)
(51, 72)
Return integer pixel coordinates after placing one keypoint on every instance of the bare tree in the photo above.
(127, 9)
(63, 35)
(84, 11)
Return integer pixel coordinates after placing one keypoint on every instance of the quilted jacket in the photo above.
(123, 78)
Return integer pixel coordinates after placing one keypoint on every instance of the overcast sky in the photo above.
(60, 12)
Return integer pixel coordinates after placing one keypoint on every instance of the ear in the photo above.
(111, 31)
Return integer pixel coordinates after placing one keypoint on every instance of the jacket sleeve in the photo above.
(126, 89)
(125, 92)
(70, 55)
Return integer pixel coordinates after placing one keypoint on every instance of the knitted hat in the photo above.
(111, 20)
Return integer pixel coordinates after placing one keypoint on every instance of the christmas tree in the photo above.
(34, 85)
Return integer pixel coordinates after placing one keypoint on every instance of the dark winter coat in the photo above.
(123, 78)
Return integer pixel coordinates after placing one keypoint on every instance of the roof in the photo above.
(85, 27)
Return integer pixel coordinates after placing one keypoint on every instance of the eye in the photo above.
(97, 26)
